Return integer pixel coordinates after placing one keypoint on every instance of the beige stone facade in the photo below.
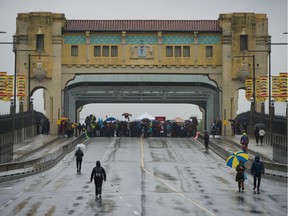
(78, 47)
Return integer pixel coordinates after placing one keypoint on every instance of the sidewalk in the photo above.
(265, 150)
(28, 146)
(35, 155)
(231, 144)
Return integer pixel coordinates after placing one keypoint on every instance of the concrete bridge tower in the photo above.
(172, 51)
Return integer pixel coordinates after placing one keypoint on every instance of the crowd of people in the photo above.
(94, 127)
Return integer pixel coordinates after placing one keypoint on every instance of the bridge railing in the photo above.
(15, 129)
(276, 138)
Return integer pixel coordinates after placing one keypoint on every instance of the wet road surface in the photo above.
(148, 177)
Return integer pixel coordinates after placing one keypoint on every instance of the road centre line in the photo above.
(169, 186)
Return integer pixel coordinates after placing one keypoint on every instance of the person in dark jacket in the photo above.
(98, 174)
(256, 135)
(206, 140)
(240, 169)
(79, 155)
(257, 169)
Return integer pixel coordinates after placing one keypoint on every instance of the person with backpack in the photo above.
(79, 155)
(257, 169)
(98, 174)
(244, 141)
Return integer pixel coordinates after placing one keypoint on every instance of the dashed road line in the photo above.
(169, 186)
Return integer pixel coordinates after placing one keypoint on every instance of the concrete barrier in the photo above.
(38, 165)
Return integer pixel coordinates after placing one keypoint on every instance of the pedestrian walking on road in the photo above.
(98, 174)
(261, 135)
(79, 155)
(256, 135)
(244, 141)
(257, 169)
(206, 140)
(240, 175)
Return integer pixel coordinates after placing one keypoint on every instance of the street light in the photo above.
(272, 111)
(252, 100)
(15, 70)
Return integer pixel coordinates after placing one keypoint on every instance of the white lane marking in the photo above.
(169, 186)
(10, 201)
(109, 148)
(6, 188)
(135, 212)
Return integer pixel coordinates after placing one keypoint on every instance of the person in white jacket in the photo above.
(261, 135)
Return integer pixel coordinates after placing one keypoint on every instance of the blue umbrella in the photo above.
(109, 119)
(234, 159)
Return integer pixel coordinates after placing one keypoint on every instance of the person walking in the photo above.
(240, 176)
(79, 155)
(257, 169)
(261, 135)
(206, 140)
(98, 174)
(244, 141)
(256, 135)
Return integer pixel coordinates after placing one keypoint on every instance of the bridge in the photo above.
(78, 62)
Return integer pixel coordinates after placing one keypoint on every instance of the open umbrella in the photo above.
(82, 147)
(126, 115)
(110, 119)
(260, 125)
(145, 120)
(234, 159)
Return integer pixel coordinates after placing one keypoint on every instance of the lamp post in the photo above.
(12, 106)
(272, 111)
(287, 110)
(29, 81)
(252, 108)
(22, 117)
(262, 111)
(21, 105)
(12, 112)
(31, 104)
(15, 70)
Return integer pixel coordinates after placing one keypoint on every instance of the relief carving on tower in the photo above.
(142, 51)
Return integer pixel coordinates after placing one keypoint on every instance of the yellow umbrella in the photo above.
(234, 159)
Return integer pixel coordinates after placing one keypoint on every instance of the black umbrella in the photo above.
(126, 115)
(145, 120)
(260, 125)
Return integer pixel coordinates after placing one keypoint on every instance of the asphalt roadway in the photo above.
(152, 176)
(47, 147)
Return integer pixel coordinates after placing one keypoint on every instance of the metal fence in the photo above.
(15, 129)
(277, 137)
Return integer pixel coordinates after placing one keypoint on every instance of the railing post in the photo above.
(21, 109)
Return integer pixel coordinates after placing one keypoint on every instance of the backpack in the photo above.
(244, 140)
(79, 154)
(98, 172)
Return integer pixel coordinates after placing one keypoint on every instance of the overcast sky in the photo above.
(276, 11)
